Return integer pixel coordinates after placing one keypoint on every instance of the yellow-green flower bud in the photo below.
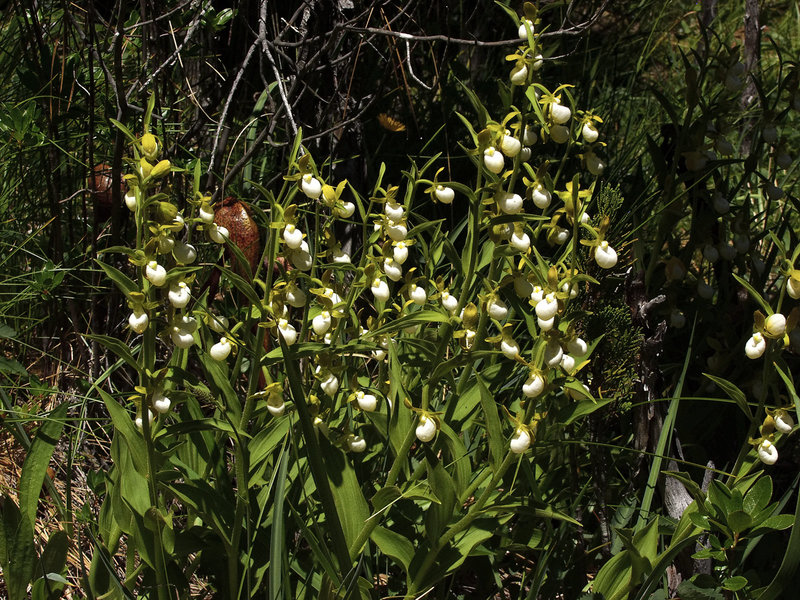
(150, 146)
(162, 168)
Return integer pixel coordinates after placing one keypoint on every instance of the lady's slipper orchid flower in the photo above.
(287, 331)
(217, 233)
(138, 320)
(394, 212)
(339, 256)
(775, 325)
(130, 200)
(380, 289)
(520, 441)
(784, 422)
(589, 132)
(444, 194)
(519, 74)
(276, 406)
(418, 294)
(755, 346)
(510, 204)
(321, 323)
(366, 402)
(449, 302)
(520, 241)
(533, 386)
(161, 403)
(346, 210)
(524, 26)
(397, 231)
(546, 324)
(509, 347)
(150, 417)
(540, 196)
(605, 256)
(559, 134)
(509, 145)
(392, 269)
(356, 443)
(561, 235)
(206, 214)
(184, 254)
(217, 323)
(578, 347)
(493, 160)
(767, 452)
(155, 273)
(295, 296)
(220, 350)
(553, 353)
(496, 308)
(559, 113)
(311, 186)
(400, 252)
(179, 295)
(793, 287)
(330, 385)
(594, 164)
(292, 236)
(548, 307)
(426, 428)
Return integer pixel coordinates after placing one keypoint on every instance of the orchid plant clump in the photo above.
(401, 376)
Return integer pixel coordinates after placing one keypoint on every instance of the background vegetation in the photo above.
(372, 85)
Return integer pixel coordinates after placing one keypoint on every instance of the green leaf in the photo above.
(266, 441)
(123, 129)
(494, 429)
(124, 425)
(21, 563)
(463, 544)
(6, 332)
(215, 371)
(722, 498)
(54, 556)
(575, 410)
(422, 316)
(774, 523)
(786, 575)
(688, 590)
(393, 545)
(277, 547)
(34, 469)
(735, 584)
(241, 284)
(466, 404)
(10, 366)
(117, 347)
(758, 497)
(755, 295)
(351, 505)
(739, 520)
(734, 393)
(480, 109)
(789, 385)
(438, 516)
(613, 580)
(125, 284)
